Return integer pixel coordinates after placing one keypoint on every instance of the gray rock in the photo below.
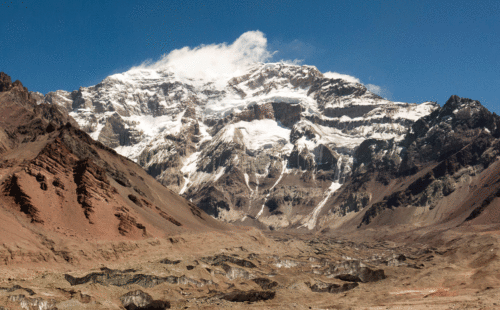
(138, 300)
(356, 271)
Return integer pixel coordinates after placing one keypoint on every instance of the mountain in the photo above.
(268, 148)
(56, 183)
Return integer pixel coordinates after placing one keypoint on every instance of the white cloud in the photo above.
(336, 75)
(296, 50)
(382, 92)
(295, 62)
(374, 89)
(220, 62)
(215, 62)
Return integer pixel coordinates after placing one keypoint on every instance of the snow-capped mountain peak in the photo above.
(268, 145)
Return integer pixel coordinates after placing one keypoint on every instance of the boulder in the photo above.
(356, 271)
(138, 300)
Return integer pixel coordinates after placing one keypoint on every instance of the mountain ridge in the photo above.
(444, 176)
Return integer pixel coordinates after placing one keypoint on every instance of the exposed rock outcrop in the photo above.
(331, 287)
(248, 296)
(356, 271)
(127, 277)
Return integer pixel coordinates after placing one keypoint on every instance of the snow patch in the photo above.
(189, 168)
(247, 178)
(220, 173)
(264, 133)
(313, 218)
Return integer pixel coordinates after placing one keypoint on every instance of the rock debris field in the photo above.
(279, 271)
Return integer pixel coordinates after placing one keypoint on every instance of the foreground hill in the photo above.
(56, 182)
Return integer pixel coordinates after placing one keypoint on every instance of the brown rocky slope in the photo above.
(56, 183)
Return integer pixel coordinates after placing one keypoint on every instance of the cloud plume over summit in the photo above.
(218, 63)
(215, 62)
(346, 77)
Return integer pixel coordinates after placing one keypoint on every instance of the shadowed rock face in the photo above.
(22, 199)
(248, 296)
(332, 288)
(169, 262)
(127, 277)
(265, 284)
(116, 132)
(459, 123)
(352, 112)
(85, 173)
(221, 259)
(5, 82)
(287, 114)
(355, 271)
(17, 287)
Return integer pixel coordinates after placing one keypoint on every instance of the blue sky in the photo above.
(414, 51)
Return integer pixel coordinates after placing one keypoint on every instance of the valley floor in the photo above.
(450, 270)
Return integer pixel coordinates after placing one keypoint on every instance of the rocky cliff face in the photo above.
(268, 149)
